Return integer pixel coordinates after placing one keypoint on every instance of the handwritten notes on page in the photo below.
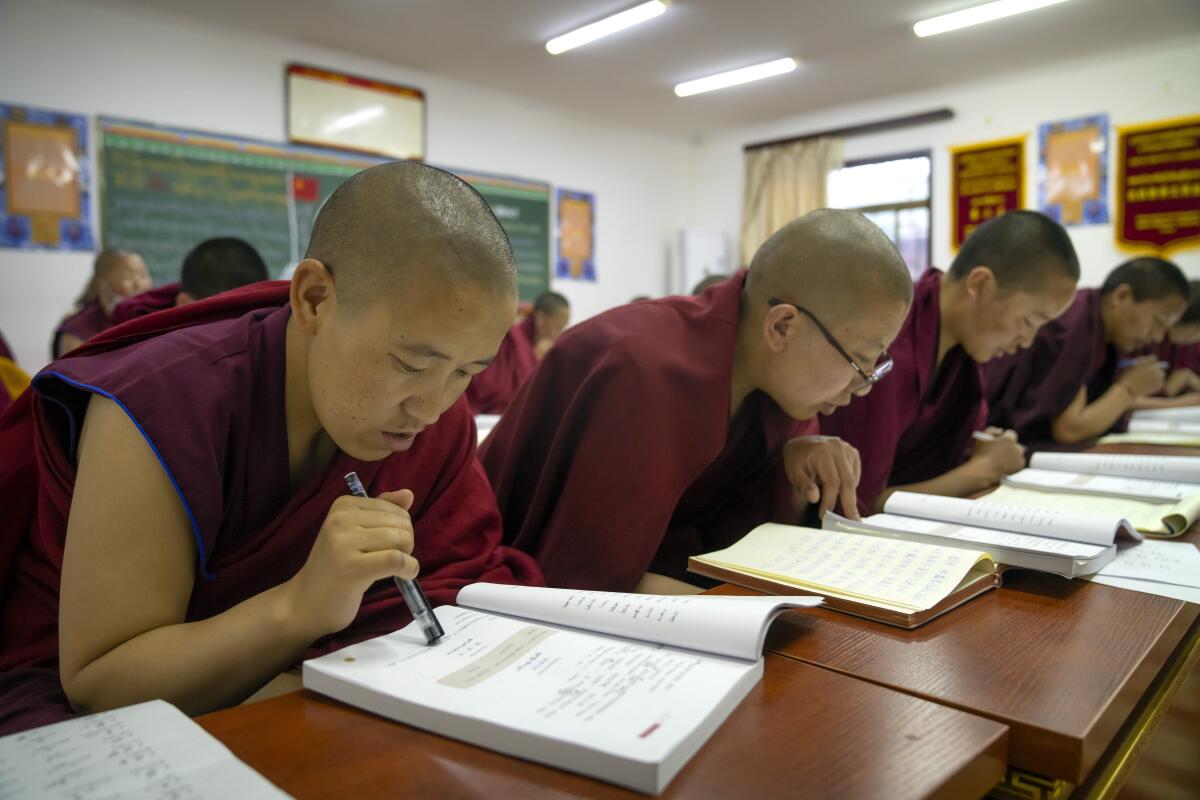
(148, 750)
(891, 573)
(1163, 562)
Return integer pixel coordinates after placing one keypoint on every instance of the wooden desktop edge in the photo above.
(1114, 766)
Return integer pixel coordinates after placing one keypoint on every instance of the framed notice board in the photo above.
(163, 190)
(44, 176)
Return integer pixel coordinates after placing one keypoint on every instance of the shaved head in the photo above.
(550, 303)
(1025, 250)
(112, 259)
(395, 221)
(834, 262)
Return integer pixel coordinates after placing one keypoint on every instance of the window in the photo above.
(892, 192)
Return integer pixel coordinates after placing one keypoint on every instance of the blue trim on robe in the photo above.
(170, 476)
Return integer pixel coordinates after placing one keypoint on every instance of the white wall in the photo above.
(1131, 87)
(94, 60)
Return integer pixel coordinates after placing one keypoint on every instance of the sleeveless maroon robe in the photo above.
(492, 390)
(83, 324)
(916, 423)
(225, 450)
(1027, 391)
(619, 456)
(145, 303)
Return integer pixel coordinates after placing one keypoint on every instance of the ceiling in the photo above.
(851, 50)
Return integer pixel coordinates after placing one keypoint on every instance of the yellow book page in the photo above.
(891, 573)
(1153, 437)
(1163, 519)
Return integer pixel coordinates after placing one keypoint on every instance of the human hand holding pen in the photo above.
(414, 597)
(996, 453)
(362, 540)
(1142, 376)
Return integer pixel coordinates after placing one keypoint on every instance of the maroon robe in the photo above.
(225, 452)
(917, 422)
(492, 390)
(1029, 390)
(619, 455)
(145, 303)
(83, 324)
(1179, 356)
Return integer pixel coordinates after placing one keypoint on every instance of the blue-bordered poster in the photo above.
(1073, 170)
(576, 215)
(44, 179)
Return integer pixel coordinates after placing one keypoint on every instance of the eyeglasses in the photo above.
(882, 367)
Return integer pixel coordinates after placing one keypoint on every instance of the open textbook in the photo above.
(1163, 506)
(148, 750)
(900, 583)
(622, 687)
(1163, 424)
(1046, 538)
(1168, 437)
(1174, 414)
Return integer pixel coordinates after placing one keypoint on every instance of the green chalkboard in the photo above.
(164, 190)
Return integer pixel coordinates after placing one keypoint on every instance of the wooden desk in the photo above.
(1078, 671)
(1061, 663)
(802, 732)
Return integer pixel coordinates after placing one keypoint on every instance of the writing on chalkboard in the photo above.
(165, 190)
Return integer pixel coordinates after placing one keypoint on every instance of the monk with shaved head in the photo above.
(663, 429)
(916, 432)
(184, 532)
(116, 275)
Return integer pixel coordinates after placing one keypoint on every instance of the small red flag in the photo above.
(304, 189)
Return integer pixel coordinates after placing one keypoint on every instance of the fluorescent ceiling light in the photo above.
(973, 16)
(609, 25)
(736, 77)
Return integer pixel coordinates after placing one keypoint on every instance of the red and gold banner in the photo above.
(987, 180)
(1158, 185)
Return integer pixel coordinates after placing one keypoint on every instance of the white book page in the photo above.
(985, 537)
(900, 575)
(1168, 438)
(1136, 488)
(730, 626)
(628, 698)
(1145, 516)
(1182, 414)
(148, 750)
(1185, 469)
(1185, 593)
(484, 424)
(1001, 513)
(1161, 425)
(1164, 562)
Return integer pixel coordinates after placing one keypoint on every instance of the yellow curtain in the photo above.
(13, 379)
(783, 183)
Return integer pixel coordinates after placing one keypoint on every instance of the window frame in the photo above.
(927, 203)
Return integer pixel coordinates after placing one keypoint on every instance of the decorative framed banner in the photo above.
(1158, 185)
(44, 202)
(576, 242)
(987, 180)
(1073, 170)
